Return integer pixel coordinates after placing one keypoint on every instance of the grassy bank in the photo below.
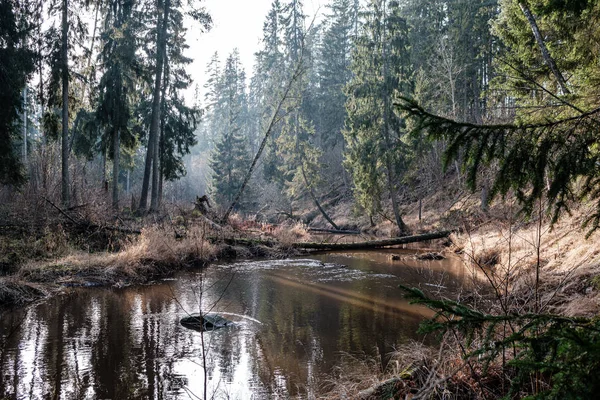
(531, 332)
(37, 268)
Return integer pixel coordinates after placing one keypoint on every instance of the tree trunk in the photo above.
(66, 196)
(151, 162)
(89, 60)
(116, 157)
(44, 155)
(161, 138)
(484, 197)
(374, 243)
(388, 162)
(545, 53)
(312, 195)
(25, 126)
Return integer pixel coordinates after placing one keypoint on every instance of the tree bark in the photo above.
(25, 161)
(312, 195)
(161, 137)
(66, 195)
(545, 53)
(374, 243)
(334, 231)
(151, 161)
(116, 158)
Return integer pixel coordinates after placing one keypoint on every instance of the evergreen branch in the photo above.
(529, 156)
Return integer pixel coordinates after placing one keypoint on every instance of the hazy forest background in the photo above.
(94, 97)
(94, 102)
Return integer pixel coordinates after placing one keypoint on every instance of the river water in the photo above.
(294, 320)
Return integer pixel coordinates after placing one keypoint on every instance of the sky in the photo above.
(236, 23)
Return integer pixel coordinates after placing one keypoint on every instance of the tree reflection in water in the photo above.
(128, 343)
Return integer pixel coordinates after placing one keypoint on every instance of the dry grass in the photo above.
(487, 258)
(15, 292)
(289, 233)
(155, 252)
(413, 370)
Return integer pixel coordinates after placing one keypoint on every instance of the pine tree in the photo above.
(374, 135)
(231, 157)
(16, 66)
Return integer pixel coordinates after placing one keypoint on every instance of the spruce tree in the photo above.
(374, 135)
(16, 66)
(548, 151)
(266, 84)
(117, 85)
(231, 158)
(334, 70)
(178, 121)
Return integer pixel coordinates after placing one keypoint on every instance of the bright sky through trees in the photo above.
(236, 23)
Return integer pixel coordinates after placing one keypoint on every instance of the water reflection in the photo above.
(293, 320)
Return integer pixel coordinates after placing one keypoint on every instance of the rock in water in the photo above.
(207, 322)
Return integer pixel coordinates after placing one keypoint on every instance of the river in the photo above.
(294, 321)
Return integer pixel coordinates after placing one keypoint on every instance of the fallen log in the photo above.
(334, 231)
(373, 244)
(91, 226)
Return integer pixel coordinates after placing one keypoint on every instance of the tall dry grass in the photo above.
(290, 233)
(154, 252)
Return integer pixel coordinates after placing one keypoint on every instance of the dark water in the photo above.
(294, 320)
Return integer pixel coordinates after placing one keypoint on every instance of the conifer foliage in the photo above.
(563, 353)
(16, 65)
(374, 135)
(231, 156)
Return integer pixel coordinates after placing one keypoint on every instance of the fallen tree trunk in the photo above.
(373, 244)
(86, 225)
(334, 231)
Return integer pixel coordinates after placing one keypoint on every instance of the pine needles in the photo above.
(549, 356)
(539, 161)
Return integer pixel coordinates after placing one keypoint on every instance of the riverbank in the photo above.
(47, 249)
(534, 268)
(156, 252)
(531, 266)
